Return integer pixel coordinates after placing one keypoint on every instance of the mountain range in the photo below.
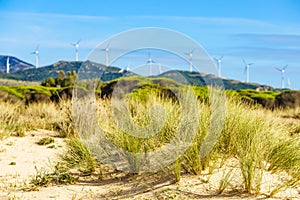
(15, 64)
(21, 70)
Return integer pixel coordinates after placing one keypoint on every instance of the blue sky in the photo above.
(266, 33)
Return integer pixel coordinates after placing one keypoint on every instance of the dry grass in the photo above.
(259, 140)
(17, 119)
(249, 134)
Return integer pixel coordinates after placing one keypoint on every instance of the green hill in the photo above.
(91, 70)
(201, 79)
(141, 87)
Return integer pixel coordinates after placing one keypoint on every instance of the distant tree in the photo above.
(49, 82)
(73, 73)
(62, 80)
(72, 77)
(61, 74)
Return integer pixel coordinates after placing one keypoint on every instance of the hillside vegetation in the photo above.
(52, 71)
(104, 73)
(54, 88)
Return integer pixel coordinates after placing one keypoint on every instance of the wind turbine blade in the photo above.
(221, 58)
(37, 47)
(149, 57)
(193, 50)
(244, 61)
(285, 67)
(78, 41)
(251, 64)
(278, 69)
(107, 46)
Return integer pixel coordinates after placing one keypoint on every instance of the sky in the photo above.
(266, 33)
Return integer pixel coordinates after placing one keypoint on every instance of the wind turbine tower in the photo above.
(76, 45)
(282, 71)
(7, 65)
(128, 67)
(219, 65)
(150, 62)
(289, 83)
(247, 70)
(36, 52)
(190, 55)
(159, 68)
(106, 54)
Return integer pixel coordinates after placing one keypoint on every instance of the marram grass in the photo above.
(253, 136)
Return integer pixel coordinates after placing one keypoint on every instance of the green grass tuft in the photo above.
(45, 141)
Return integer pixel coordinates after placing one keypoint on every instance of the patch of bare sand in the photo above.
(20, 157)
(113, 185)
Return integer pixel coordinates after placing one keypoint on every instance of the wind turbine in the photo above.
(7, 65)
(289, 83)
(247, 70)
(106, 54)
(150, 62)
(36, 52)
(76, 45)
(128, 68)
(282, 70)
(159, 68)
(219, 65)
(190, 55)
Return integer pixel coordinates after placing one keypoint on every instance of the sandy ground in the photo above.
(29, 157)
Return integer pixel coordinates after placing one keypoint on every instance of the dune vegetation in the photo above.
(252, 142)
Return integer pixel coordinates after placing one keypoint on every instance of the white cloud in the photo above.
(210, 20)
(57, 16)
(272, 38)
